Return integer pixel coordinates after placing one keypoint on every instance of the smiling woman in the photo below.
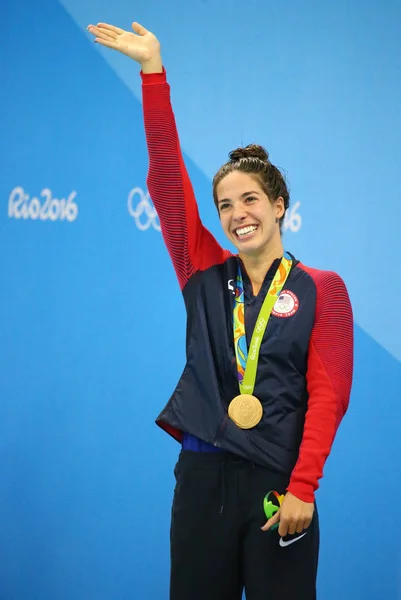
(250, 219)
(268, 373)
(252, 197)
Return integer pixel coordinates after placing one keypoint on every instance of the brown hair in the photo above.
(254, 159)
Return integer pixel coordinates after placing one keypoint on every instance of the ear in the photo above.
(280, 209)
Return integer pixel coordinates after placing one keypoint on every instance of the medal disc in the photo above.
(245, 410)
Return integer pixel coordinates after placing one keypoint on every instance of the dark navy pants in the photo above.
(217, 546)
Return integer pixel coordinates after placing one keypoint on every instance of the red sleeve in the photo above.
(191, 246)
(329, 379)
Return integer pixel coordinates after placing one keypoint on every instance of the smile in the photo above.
(245, 232)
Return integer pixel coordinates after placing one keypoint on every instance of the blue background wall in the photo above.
(85, 476)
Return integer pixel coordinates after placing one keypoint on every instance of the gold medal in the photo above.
(245, 410)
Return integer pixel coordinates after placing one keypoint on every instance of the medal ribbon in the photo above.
(247, 363)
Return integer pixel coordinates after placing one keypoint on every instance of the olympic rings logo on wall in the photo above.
(141, 208)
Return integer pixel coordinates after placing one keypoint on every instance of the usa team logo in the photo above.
(286, 305)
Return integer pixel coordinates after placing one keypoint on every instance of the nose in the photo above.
(239, 212)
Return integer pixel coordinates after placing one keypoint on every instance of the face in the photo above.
(249, 220)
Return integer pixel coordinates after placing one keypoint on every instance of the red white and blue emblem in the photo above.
(286, 305)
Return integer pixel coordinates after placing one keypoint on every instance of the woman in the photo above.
(268, 373)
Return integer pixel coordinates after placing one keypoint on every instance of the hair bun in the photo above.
(250, 151)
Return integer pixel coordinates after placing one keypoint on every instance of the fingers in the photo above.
(272, 521)
(300, 527)
(139, 29)
(289, 527)
(102, 34)
(283, 528)
(107, 44)
(111, 28)
(286, 527)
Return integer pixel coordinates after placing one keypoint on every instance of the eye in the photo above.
(250, 199)
(223, 206)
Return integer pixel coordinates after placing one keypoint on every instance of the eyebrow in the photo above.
(242, 196)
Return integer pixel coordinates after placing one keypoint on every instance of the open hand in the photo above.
(142, 45)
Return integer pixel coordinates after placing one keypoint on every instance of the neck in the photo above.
(257, 265)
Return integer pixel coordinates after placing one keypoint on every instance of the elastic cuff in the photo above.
(303, 491)
(154, 78)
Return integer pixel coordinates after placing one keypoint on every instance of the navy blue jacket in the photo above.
(306, 359)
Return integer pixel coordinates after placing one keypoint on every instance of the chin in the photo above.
(250, 248)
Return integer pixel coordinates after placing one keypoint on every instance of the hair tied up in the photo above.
(250, 151)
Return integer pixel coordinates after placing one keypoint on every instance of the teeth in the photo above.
(246, 230)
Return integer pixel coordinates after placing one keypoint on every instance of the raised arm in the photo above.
(191, 246)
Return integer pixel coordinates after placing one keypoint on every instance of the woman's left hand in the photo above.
(294, 516)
